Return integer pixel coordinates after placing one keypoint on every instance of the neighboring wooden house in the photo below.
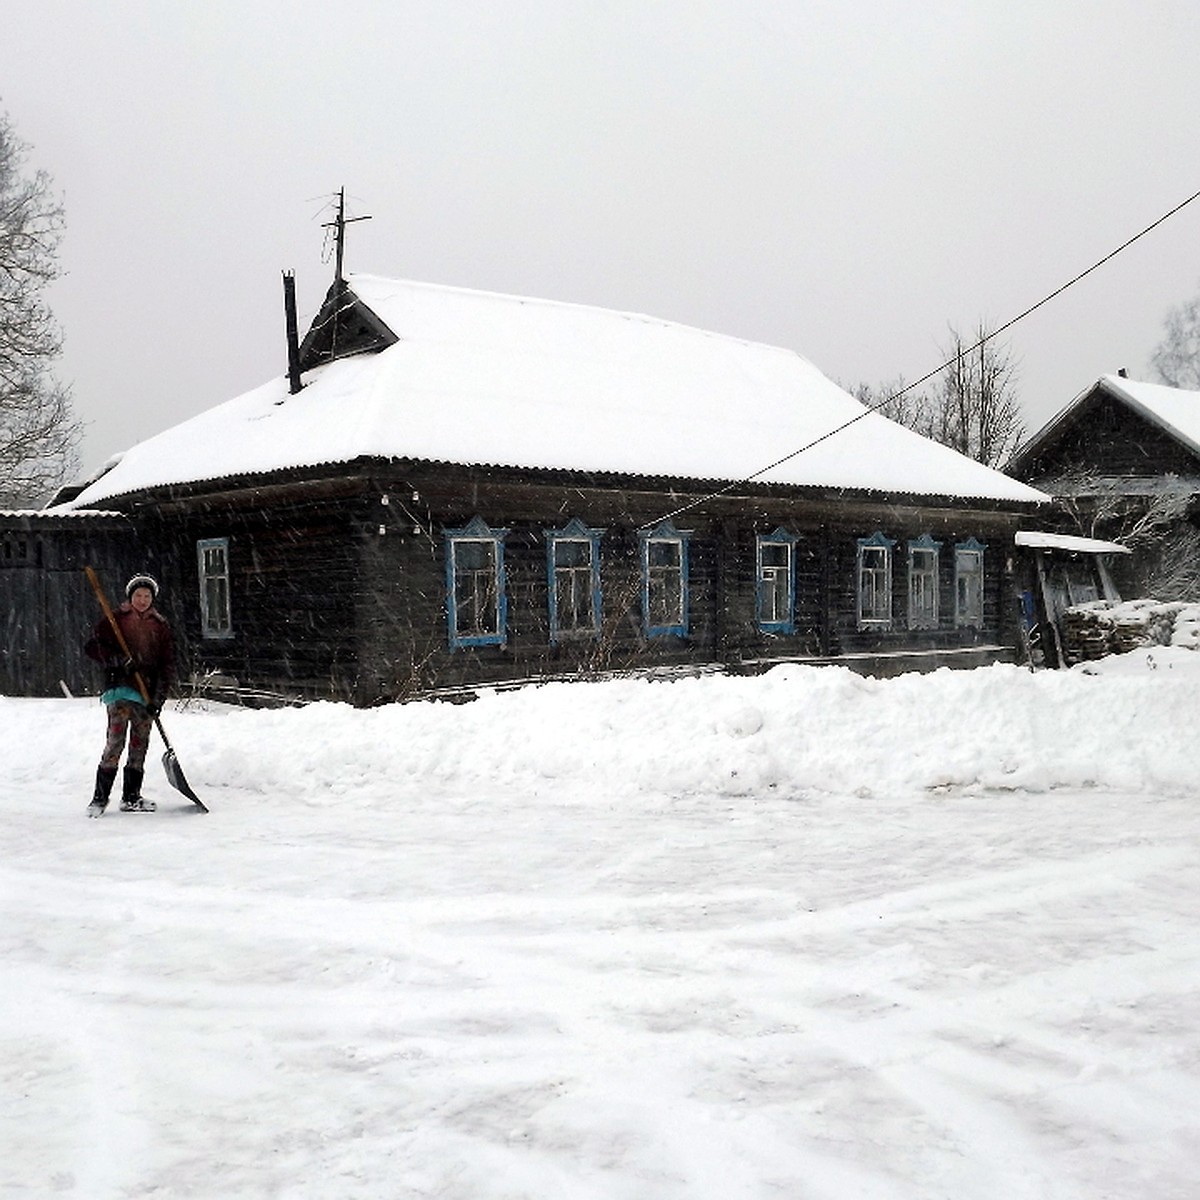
(1123, 463)
(472, 489)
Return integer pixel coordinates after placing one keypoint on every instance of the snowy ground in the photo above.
(807, 936)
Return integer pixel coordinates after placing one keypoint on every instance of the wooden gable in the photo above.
(1105, 436)
(343, 326)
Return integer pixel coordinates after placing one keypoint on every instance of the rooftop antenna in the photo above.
(338, 225)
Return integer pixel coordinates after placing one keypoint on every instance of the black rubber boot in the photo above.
(131, 795)
(105, 777)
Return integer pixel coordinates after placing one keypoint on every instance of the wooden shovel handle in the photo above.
(94, 580)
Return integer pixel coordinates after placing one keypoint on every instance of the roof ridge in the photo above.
(571, 305)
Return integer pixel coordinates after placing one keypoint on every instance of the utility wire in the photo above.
(1058, 291)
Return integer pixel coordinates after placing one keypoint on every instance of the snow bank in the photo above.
(795, 729)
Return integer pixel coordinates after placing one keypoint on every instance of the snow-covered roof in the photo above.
(1174, 410)
(1067, 541)
(479, 378)
(58, 513)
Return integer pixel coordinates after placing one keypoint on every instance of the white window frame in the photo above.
(924, 556)
(968, 584)
(873, 582)
(212, 564)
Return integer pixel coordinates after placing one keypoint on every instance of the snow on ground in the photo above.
(808, 935)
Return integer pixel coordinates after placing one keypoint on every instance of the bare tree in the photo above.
(1173, 571)
(1176, 359)
(1153, 522)
(1101, 506)
(38, 430)
(892, 399)
(972, 406)
(975, 407)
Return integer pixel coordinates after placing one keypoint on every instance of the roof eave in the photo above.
(718, 487)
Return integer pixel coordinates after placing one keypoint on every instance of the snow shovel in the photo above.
(175, 776)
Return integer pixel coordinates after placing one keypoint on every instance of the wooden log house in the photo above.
(454, 489)
(1120, 454)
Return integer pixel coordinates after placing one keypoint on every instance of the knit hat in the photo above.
(146, 581)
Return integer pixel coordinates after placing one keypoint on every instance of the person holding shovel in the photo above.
(136, 684)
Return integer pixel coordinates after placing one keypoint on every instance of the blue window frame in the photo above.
(873, 593)
(775, 582)
(476, 605)
(968, 583)
(573, 578)
(923, 559)
(664, 559)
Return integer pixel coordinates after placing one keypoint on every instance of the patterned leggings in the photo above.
(122, 716)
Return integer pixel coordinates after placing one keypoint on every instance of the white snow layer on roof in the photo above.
(479, 378)
(1067, 541)
(1174, 408)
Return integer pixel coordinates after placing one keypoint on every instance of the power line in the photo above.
(1058, 291)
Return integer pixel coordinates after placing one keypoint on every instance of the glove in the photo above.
(154, 707)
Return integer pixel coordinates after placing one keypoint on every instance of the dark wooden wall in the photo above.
(337, 594)
(294, 578)
(402, 604)
(48, 607)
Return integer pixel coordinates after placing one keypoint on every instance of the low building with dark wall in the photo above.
(47, 604)
(460, 489)
(1122, 461)
(1061, 572)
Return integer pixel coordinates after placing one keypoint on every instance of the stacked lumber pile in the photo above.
(1100, 627)
(1086, 633)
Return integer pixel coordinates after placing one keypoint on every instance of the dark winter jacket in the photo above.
(151, 648)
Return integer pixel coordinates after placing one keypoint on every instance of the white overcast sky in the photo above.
(841, 179)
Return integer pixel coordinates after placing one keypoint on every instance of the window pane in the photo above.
(474, 555)
(666, 598)
(476, 607)
(874, 584)
(575, 584)
(573, 594)
(922, 588)
(775, 583)
(664, 594)
(775, 554)
(968, 587)
(664, 583)
(665, 553)
(213, 563)
(571, 552)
